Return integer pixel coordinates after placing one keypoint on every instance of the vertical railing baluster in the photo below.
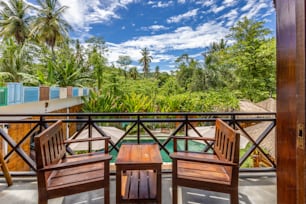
(89, 133)
(186, 130)
(138, 129)
(41, 123)
(234, 121)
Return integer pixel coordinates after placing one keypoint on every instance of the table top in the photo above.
(139, 154)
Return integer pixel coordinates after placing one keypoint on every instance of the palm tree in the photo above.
(50, 26)
(15, 63)
(14, 20)
(145, 61)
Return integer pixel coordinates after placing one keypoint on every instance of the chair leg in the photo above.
(42, 199)
(234, 197)
(107, 182)
(5, 170)
(106, 195)
(174, 193)
(174, 182)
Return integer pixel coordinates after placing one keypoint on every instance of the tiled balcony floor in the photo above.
(252, 190)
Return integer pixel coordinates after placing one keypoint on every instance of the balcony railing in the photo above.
(140, 126)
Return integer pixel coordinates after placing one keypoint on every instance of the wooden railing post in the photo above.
(138, 129)
(89, 133)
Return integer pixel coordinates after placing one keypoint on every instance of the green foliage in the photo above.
(97, 102)
(218, 71)
(247, 67)
(124, 61)
(136, 103)
(185, 70)
(222, 100)
(64, 70)
(171, 87)
(97, 62)
(210, 101)
(15, 63)
(248, 163)
(254, 57)
(133, 73)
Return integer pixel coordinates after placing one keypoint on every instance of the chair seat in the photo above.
(202, 172)
(77, 175)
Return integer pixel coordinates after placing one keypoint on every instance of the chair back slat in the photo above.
(49, 145)
(227, 143)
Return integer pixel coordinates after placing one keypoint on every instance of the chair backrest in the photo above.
(49, 145)
(227, 144)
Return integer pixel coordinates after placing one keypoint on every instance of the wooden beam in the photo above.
(300, 70)
(286, 101)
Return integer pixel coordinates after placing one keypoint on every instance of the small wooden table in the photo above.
(138, 173)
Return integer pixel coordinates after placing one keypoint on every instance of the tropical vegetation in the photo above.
(36, 50)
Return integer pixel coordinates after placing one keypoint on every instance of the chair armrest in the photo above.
(175, 156)
(193, 138)
(86, 140)
(65, 165)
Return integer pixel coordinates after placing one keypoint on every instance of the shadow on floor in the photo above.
(255, 190)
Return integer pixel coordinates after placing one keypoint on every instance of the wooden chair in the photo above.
(217, 171)
(5, 171)
(60, 175)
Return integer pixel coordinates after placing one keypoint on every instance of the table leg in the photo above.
(118, 184)
(159, 186)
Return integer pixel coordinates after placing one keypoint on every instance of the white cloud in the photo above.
(249, 5)
(228, 3)
(206, 3)
(181, 39)
(216, 9)
(116, 50)
(181, 1)
(187, 15)
(157, 27)
(255, 10)
(80, 15)
(212, 4)
(232, 14)
(160, 4)
(230, 17)
(154, 28)
(163, 57)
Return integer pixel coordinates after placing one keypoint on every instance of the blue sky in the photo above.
(167, 28)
